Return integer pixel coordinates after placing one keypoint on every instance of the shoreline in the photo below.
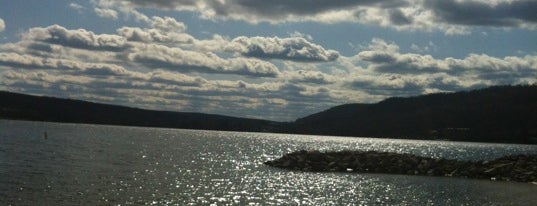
(519, 168)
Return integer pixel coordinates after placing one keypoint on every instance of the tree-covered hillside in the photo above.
(495, 114)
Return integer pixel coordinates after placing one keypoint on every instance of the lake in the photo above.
(82, 164)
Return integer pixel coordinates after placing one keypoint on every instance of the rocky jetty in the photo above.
(520, 168)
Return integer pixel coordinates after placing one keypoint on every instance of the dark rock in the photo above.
(521, 168)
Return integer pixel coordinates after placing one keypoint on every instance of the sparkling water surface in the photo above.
(80, 164)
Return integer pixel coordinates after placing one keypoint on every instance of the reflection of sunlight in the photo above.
(184, 167)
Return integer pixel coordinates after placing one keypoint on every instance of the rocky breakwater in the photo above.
(520, 168)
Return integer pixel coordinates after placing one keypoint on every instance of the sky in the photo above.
(277, 60)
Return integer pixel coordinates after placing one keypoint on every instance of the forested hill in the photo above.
(495, 114)
(26, 107)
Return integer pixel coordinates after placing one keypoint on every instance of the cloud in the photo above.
(68, 66)
(162, 90)
(430, 47)
(256, 10)
(293, 48)
(298, 34)
(454, 17)
(391, 61)
(256, 6)
(77, 7)
(167, 24)
(106, 13)
(309, 76)
(158, 56)
(154, 35)
(162, 46)
(112, 8)
(391, 72)
(397, 17)
(517, 13)
(46, 78)
(2, 25)
(160, 66)
(79, 38)
(163, 30)
(16, 60)
(161, 76)
(283, 10)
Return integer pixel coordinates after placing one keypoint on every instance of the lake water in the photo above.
(80, 164)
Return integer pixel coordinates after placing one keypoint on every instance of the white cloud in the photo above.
(79, 38)
(293, 48)
(154, 35)
(159, 56)
(390, 60)
(456, 30)
(160, 65)
(111, 78)
(309, 76)
(112, 8)
(167, 24)
(106, 13)
(2, 25)
(77, 7)
(451, 16)
(388, 69)
(430, 47)
(298, 34)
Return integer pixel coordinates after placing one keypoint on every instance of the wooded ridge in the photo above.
(496, 114)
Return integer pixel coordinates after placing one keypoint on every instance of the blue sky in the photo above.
(277, 60)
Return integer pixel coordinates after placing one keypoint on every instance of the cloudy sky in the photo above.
(277, 60)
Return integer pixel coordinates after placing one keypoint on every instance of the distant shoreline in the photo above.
(519, 168)
(500, 114)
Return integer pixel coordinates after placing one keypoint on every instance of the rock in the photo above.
(519, 168)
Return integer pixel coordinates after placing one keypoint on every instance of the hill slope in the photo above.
(495, 114)
(26, 107)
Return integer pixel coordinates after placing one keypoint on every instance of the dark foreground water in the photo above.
(107, 165)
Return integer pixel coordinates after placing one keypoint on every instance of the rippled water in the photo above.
(107, 165)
